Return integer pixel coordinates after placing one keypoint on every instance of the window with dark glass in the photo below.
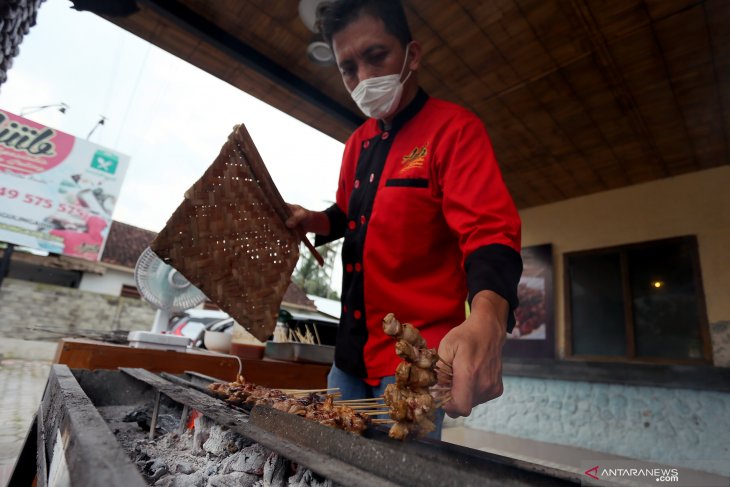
(637, 302)
(27, 271)
(130, 292)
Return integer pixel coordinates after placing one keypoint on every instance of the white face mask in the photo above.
(379, 97)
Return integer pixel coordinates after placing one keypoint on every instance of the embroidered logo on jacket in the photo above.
(415, 159)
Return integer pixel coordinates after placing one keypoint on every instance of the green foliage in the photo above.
(315, 279)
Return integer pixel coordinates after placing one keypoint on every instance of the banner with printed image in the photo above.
(534, 331)
(57, 192)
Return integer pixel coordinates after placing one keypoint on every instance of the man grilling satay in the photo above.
(426, 218)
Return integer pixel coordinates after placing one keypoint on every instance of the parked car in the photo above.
(194, 322)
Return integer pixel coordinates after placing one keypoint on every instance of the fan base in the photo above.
(158, 341)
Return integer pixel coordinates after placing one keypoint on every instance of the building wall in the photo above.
(693, 204)
(25, 305)
(110, 282)
(673, 426)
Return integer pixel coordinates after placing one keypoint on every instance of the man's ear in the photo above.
(416, 53)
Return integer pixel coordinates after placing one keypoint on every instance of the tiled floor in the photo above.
(564, 458)
(21, 388)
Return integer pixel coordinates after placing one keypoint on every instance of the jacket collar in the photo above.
(407, 113)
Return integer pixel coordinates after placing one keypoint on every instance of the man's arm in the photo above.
(478, 207)
(474, 350)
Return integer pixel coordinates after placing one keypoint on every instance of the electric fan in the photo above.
(166, 289)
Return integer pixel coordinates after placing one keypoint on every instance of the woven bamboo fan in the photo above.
(229, 239)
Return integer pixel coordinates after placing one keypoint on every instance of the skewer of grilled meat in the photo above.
(312, 406)
(414, 377)
(404, 331)
(424, 358)
(410, 403)
(413, 411)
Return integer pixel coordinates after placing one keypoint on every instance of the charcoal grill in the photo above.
(70, 442)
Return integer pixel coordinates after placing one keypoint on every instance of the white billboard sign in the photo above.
(57, 192)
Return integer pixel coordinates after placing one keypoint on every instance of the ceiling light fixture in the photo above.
(310, 11)
(319, 52)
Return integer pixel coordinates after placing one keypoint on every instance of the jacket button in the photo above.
(357, 314)
(358, 267)
(362, 220)
(357, 183)
(372, 177)
(385, 136)
(352, 225)
(348, 268)
(366, 144)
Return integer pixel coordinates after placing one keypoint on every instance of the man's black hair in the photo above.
(341, 13)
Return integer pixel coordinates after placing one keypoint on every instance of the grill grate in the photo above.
(69, 411)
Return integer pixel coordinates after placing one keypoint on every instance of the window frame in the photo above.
(630, 357)
(130, 292)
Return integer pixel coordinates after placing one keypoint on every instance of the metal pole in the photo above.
(155, 412)
(5, 262)
(101, 121)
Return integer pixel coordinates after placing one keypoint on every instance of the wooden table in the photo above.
(79, 353)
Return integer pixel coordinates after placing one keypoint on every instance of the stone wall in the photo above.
(673, 426)
(720, 333)
(26, 305)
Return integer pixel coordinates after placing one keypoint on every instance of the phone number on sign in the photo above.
(34, 200)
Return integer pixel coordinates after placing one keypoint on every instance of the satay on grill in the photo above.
(405, 331)
(313, 406)
(410, 403)
(414, 377)
(424, 358)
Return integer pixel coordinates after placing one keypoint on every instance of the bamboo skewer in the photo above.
(332, 390)
(315, 338)
(295, 391)
(368, 399)
(443, 371)
(444, 401)
(369, 406)
(361, 406)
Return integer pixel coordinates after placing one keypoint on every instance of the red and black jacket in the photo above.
(427, 222)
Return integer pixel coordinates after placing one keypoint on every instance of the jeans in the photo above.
(352, 387)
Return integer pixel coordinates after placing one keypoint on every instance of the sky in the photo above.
(170, 117)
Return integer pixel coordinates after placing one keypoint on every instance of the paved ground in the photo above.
(21, 389)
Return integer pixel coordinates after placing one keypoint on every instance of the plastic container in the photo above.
(217, 341)
(300, 352)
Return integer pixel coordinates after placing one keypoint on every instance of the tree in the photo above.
(315, 279)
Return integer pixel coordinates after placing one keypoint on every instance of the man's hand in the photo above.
(309, 221)
(474, 350)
